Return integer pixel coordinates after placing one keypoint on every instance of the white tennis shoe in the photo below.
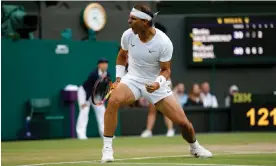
(107, 155)
(146, 134)
(200, 152)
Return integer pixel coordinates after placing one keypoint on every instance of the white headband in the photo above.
(141, 15)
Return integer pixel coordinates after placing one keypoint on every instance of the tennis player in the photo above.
(149, 53)
(84, 101)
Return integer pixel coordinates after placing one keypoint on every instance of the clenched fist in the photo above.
(152, 87)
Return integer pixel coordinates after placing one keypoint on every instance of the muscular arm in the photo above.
(121, 60)
(165, 69)
(165, 60)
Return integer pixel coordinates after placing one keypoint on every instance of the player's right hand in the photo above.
(114, 85)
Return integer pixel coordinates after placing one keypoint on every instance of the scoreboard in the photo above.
(252, 112)
(230, 39)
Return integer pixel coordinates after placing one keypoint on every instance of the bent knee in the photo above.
(116, 99)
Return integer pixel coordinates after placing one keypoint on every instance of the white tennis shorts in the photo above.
(139, 90)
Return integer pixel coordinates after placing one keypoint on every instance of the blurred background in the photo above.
(223, 66)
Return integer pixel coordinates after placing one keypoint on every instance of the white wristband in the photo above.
(120, 71)
(161, 80)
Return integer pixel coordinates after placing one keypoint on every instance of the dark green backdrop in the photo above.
(32, 69)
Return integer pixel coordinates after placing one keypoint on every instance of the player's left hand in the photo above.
(152, 87)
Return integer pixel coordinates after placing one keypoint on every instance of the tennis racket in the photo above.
(101, 90)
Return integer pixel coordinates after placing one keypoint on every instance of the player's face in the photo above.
(103, 66)
(136, 24)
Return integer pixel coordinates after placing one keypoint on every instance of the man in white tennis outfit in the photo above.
(149, 53)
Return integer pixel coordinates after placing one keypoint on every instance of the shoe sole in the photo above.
(197, 156)
(107, 161)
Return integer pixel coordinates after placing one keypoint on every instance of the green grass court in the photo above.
(237, 149)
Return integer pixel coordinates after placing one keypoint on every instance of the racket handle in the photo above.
(105, 98)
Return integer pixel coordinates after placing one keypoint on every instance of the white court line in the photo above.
(142, 158)
(184, 164)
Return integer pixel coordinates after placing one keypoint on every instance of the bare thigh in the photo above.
(122, 95)
(171, 109)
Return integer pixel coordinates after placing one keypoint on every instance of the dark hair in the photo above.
(102, 60)
(145, 9)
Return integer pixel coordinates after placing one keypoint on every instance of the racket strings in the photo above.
(101, 89)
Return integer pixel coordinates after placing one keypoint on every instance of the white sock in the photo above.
(194, 145)
(108, 142)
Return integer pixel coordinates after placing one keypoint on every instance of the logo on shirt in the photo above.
(132, 45)
(151, 51)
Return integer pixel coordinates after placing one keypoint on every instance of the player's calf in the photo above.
(110, 118)
(188, 134)
(170, 108)
(111, 113)
(187, 131)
